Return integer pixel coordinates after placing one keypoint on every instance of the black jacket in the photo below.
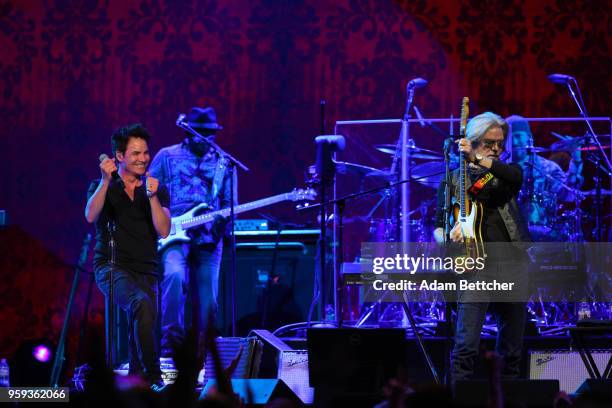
(500, 192)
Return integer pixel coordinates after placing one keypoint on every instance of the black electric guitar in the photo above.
(468, 212)
(193, 218)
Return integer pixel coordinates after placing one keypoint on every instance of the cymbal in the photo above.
(415, 152)
(567, 144)
(382, 176)
(535, 149)
(429, 174)
(571, 143)
(568, 137)
(594, 192)
(356, 169)
(560, 147)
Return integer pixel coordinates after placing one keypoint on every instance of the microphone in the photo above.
(416, 83)
(115, 174)
(179, 120)
(560, 78)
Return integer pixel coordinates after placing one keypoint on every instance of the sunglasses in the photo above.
(489, 144)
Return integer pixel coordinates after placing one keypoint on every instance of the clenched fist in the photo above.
(107, 167)
(465, 147)
(151, 184)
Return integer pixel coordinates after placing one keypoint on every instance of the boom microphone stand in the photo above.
(58, 361)
(403, 152)
(567, 80)
(342, 203)
(448, 314)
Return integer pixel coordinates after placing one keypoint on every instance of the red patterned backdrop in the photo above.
(72, 70)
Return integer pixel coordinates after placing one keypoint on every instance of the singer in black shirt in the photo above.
(135, 235)
(137, 207)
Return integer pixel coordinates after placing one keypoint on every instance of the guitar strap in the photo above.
(480, 183)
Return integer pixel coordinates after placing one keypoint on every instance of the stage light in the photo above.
(42, 353)
(32, 362)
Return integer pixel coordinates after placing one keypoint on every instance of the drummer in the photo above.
(543, 181)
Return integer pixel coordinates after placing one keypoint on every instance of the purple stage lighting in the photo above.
(42, 353)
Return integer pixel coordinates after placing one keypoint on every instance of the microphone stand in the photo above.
(598, 199)
(341, 202)
(110, 310)
(59, 359)
(448, 143)
(583, 112)
(405, 154)
(530, 180)
(325, 180)
(232, 163)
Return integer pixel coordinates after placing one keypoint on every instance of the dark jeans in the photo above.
(136, 293)
(510, 316)
(178, 260)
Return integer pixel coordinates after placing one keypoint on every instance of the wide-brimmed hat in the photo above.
(203, 118)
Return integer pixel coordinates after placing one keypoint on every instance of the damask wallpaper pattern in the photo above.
(72, 70)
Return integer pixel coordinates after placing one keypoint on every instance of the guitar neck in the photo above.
(462, 185)
(463, 162)
(253, 205)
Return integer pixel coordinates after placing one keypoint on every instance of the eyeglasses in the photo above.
(489, 144)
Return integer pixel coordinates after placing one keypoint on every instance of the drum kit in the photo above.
(546, 199)
(429, 174)
(556, 221)
(548, 219)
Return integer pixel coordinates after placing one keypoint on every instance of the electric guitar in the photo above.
(192, 218)
(469, 213)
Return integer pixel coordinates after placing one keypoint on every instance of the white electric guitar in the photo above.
(179, 225)
(469, 213)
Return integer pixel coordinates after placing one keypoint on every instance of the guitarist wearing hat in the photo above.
(492, 187)
(194, 174)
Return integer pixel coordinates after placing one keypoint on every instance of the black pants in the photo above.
(510, 317)
(136, 293)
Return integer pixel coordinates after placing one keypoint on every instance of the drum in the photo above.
(382, 230)
(540, 210)
(385, 230)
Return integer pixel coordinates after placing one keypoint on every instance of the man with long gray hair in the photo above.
(494, 185)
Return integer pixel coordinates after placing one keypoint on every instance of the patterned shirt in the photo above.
(189, 178)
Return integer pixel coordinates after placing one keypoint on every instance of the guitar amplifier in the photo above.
(565, 366)
(293, 370)
(228, 347)
(267, 299)
(251, 225)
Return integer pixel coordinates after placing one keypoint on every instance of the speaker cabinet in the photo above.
(228, 348)
(267, 299)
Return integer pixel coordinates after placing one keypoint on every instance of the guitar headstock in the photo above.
(302, 194)
(465, 112)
